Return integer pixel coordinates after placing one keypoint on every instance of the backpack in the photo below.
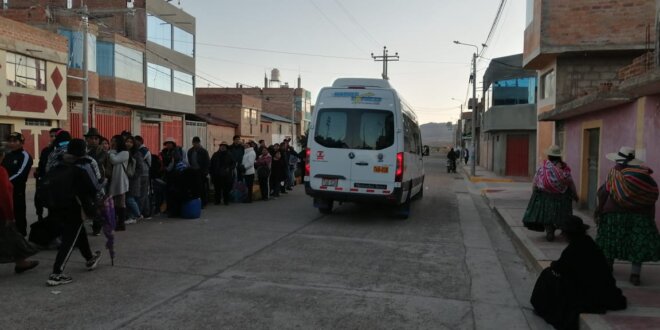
(56, 188)
(130, 168)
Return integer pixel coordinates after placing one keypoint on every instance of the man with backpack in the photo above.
(18, 164)
(68, 190)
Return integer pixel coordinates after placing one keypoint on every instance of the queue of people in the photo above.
(118, 182)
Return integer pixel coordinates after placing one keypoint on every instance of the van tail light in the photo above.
(399, 167)
(307, 153)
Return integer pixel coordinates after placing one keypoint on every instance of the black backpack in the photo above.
(156, 167)
(57, 190)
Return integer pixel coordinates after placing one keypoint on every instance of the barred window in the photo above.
(37, 122)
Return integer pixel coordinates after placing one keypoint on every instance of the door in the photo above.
(517, 155)
(593, 154)
(150, 132)
(374, 165)
(330, 152)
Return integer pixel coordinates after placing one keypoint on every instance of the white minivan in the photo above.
(364, 146)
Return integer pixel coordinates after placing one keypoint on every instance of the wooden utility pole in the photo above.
(385, 58)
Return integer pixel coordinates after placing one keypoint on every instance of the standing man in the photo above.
(145, 191)
(18, 164)
(261, 147)
(237, 151)
(466, 155)
(41, 172)
(94, 150)
(222, 167)
(200, 161)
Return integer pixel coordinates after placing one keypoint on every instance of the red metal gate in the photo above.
(173, 129)
(111, 122)
(150, 132)
(517, 155)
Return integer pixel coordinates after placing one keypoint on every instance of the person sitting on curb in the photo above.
(580, 281)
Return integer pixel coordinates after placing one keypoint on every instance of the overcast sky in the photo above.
(240, 40)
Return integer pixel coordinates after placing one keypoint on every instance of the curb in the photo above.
(478, 179)
(530, 253)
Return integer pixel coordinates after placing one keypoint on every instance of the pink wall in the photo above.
(619, 127)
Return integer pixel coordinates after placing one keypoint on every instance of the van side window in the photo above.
(355, 129)
(408, 137)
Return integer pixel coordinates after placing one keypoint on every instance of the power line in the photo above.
(356, 22)
(336, 26)
(493, 27)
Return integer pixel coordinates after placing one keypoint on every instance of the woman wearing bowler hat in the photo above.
(553, 190)
(626, 213)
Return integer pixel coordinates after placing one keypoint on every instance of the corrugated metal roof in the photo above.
(275, 117)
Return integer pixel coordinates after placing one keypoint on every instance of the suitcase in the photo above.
(43, 232)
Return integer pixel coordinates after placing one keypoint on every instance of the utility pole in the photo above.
(473, 165)
(85, 69)
(385, 58)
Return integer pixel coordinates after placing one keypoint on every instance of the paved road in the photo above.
(280, 264)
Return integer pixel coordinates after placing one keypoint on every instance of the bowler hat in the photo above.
(574, 225)
(554, 151)
(169, 140)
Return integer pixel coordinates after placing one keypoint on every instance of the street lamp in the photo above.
(473, 164)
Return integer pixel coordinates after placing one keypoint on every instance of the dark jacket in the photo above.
(101, 158)
(580, 281)
(171, 157)
(79, 193)
(43, 160)
(452, 155)
(278, 170)
(18, 164)
(222, 164)
(237, 152)
(203, 160)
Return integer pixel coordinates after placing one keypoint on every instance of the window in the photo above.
(183, 83)
(38, 122)
(159, 31)
(105, 55)
(76, 51)
(129, 64)
(184, 42)
(548, 85)
(159, 77)
(355, 129)
(511, 92)
(27, 72)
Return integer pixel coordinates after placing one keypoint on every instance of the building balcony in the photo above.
(510, 118)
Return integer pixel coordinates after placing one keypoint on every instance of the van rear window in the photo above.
(355, 129)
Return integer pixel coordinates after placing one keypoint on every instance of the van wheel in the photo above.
(327, 208)
(404, 209)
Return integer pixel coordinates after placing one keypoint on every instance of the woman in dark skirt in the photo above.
(580, 281)
(13, 246)
(626, 213)
(552, 196)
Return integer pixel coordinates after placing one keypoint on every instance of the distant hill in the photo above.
(437, 134)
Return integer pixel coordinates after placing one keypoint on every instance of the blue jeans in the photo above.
(133, 208)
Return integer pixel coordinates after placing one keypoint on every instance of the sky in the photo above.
(321, 40)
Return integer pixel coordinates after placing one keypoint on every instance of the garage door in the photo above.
(517, 155)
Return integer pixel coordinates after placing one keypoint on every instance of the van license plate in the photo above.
(381, 169)
(329, 182)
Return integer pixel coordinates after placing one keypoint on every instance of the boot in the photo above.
(121, 219)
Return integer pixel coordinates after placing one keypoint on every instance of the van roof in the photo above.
(361, 82)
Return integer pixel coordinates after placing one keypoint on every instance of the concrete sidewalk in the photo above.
(508, 197)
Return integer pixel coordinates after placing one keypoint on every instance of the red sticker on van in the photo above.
(320, 155)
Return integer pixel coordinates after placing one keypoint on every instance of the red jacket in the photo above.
(6, 197)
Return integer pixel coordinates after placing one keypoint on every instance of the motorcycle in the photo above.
(451, 166)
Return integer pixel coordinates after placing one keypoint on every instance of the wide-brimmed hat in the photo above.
(93, 132)
(625, 155)
(169, 140)
(554, 151)
(574, 225)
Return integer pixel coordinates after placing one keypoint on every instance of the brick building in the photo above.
(141, 62)
(587, 53)
(243, 110)
(33, 85)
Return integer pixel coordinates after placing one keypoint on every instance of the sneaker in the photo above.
(94, 261)
(130, 221)
(58, 279)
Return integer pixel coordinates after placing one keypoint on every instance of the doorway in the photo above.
(5, 130)
(517, 155)
(592, 163)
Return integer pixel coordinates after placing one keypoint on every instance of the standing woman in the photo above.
(13, 246)
(626, 213)
(119, 184)
(134, 184)
(553, 192)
